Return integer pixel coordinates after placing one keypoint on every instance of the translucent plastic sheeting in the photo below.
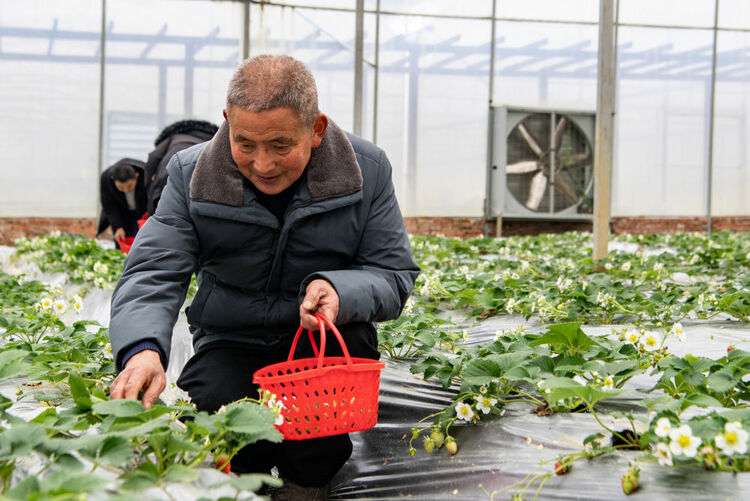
(497, 452)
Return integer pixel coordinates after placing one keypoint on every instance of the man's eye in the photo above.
(281, 148)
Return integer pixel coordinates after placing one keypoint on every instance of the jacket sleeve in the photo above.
(382, 275)
(157, 272)
(110, 208)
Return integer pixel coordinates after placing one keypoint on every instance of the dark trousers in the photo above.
(221, 373)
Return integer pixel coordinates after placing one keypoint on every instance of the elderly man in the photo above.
(282, 215)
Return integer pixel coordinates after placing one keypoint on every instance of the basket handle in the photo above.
(322, 322)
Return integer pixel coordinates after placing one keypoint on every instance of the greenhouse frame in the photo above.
(563, 314)
(383, 70)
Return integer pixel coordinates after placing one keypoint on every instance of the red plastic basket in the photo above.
(323, 396)
(125, 244)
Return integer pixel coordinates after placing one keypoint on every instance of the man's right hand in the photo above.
(120, 234)
(142, 372)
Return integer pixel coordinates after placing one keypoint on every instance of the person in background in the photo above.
(175, 137)
(123, 195)
(282, 215)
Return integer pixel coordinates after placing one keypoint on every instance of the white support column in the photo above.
(605, 120)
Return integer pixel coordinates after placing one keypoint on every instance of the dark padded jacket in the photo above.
(343, 225)
(115, 211)
(175, 137)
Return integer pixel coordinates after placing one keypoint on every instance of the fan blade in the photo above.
(523, 167)
(559, 132)
(575, 160)
(530, 140)
(565, 184)
(536, 191)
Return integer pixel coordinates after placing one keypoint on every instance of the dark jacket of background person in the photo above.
(343, 225)
(173, 138)
(115, 211)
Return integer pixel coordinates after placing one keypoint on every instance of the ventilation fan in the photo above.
(543, 166)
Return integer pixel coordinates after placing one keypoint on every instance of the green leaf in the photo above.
(723, 380)
(140, 479)
(24, 489)
(180, 474)
(254, 481)
(481, 371)
(700, 400)
(116, 451)
(69, 482)
(119, 408)
(566, 338)
(81, 395)
(426, 338)
(13, 363)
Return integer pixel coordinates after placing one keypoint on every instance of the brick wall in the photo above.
(12, 228)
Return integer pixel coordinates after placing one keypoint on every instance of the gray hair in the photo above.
(268, 82)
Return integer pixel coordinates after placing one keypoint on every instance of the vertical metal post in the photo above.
(358, 62)
(161, 119)
(604, 137)
(712, 112)
(377, 75)
(189, 74)
(412, 131)
(490, 138)
(246, 29)
(552, 163)
(102, 60)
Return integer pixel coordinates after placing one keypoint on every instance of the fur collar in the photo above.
(332, 171)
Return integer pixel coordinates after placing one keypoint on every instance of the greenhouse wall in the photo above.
(428, 80)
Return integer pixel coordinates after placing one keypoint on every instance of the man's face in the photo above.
(271, 148)
(127, 186)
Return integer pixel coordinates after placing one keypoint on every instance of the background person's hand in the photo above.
(120, 234)
(142, 372)
(320, 297)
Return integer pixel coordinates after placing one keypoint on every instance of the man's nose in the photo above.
(263, 162)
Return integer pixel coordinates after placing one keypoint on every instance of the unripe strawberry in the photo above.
(222, 462)
(561, 469)
(414, 433)
(451, 445)
(412, 451)
(630, 481)
(438, 438)
(429, 445)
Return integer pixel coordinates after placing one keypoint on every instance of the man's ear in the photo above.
(224, 112)
(320, 124)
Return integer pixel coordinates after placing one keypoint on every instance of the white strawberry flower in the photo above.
(663, 454)
(651, 341)
(510, 305)
(99, 282)
(677, 331)
(663, 427)
(608, 383)
(483, 390)
(658, 266)
(608, 266)
(684, 442)
(59, 306)
(733, 440)
(464, 411)
(632, 336)
(100, 267)
(46, 302)
(485, 403)
(625, 266)
(579, 379)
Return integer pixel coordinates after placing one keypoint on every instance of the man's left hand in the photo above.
(320, 297)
